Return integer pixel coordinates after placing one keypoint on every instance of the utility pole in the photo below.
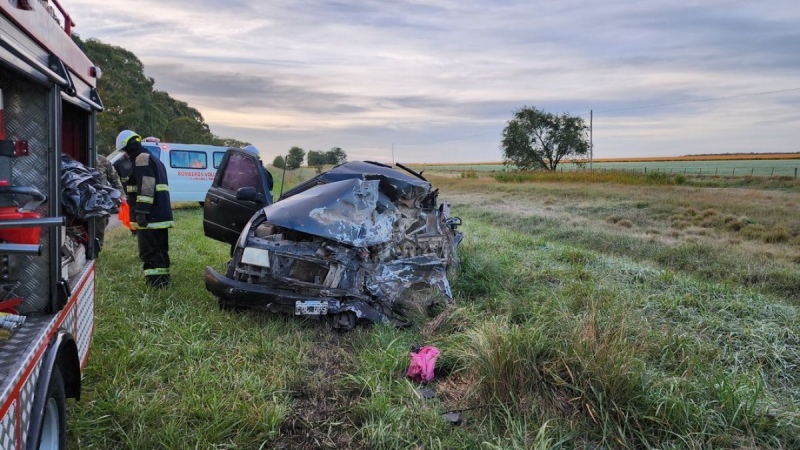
(591, 143)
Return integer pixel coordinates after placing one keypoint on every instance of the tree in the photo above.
(186, 130)
(278, 162)
(316, 158)
(335, 156)
(229, 142)
(131, 102)
(537, 139)
(295, 158)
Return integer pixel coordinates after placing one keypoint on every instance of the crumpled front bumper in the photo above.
(251, 295)
(238, 293)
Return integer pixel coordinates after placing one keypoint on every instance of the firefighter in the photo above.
(252, 149)
(151, 210)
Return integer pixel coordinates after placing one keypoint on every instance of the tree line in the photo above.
(316, 158)
(132, 103)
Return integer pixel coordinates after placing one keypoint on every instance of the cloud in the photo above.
(439, 79)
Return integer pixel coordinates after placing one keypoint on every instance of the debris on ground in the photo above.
(423, 363)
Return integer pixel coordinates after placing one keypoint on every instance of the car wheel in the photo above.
(344, 321)
(54, 420)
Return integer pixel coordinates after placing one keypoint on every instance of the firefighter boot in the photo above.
(158, 281)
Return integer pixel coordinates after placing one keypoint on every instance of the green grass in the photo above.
(633, 178)
(711, 168)
(562, 336)
(620, 177)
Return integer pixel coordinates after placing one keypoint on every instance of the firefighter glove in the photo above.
(141, 220)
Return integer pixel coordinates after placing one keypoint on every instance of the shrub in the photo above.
(625, 223)
(680, 224)
(776, 235)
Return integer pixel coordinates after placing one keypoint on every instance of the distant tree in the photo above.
(335, 156)
(295, 158)
(538, 139)
(278, 162)
(316, 158)
(186, 130)
(229, 142)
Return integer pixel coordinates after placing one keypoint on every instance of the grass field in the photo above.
(741, 167)
(587, 315)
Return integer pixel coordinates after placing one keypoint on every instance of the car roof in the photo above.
(179, 146)
(395, 183)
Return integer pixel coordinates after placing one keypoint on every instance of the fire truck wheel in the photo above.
(54, 421)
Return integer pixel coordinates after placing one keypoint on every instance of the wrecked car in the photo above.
(352, 245)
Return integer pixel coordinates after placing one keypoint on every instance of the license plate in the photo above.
(310, 308)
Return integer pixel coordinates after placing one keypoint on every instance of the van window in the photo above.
(218, 159)
(240, 172)
(184, 159)
(153, 149)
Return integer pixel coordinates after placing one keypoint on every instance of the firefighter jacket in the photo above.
(148, 189)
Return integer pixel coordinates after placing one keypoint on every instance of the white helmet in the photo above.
(252, 149)
(124, 136)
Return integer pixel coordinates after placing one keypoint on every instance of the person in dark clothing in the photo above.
(151, 211)
(252, 149)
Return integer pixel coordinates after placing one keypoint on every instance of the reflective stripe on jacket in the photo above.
(148, 191)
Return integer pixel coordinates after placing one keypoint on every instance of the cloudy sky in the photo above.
(437, 80)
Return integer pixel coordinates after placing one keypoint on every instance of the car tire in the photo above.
(343, 321)
(54, 420)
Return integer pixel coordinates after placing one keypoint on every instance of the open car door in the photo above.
(241, 187)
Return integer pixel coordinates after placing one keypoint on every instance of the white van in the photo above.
(190, 167)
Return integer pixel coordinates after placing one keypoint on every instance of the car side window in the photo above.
(218, 159)
(241, 171)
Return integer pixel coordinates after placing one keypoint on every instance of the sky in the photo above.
(437, 80)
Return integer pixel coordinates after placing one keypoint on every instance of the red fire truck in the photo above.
(48, 107)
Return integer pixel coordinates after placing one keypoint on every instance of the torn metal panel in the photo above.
(392, 281)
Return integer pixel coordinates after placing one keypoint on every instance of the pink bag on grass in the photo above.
(422, 364)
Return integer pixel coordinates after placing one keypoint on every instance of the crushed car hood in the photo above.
(351, 211)
(394, 184)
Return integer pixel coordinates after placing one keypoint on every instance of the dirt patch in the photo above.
(315, 421)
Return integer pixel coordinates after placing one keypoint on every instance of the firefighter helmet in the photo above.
(252, 149)
(124, 136)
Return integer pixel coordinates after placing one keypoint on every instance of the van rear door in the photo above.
(240, 188)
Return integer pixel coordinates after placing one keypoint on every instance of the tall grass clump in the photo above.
(584, 176)
(636, 357)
